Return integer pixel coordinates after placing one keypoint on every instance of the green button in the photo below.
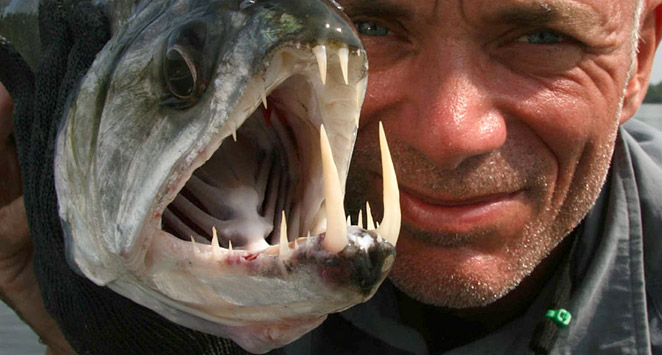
(560, 316)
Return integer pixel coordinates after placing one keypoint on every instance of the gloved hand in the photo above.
(18, 285)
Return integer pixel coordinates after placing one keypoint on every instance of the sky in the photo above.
(656, 75)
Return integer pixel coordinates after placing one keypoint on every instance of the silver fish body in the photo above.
(201, 166)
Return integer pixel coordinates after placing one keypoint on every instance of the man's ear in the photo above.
(651, 33)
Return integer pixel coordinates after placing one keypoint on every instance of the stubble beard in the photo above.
(465, 287)
(455, 286)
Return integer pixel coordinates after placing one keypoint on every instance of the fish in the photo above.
(202, 160)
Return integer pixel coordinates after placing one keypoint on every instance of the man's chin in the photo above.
(457, 276)
(450, 291)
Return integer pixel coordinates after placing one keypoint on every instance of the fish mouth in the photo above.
(250, 240)
(269, 179)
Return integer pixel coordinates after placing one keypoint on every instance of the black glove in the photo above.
(95, 320)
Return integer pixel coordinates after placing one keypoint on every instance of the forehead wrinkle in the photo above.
(542, 13)
(545, 12)
(386, 8)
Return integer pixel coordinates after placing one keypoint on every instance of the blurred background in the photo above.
(651, 110)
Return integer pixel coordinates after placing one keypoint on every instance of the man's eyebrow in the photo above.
(380, 8)
(545, 13)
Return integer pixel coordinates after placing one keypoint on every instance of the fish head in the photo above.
(201, 166)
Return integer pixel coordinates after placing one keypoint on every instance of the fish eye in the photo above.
(183, 66)
(180, 73)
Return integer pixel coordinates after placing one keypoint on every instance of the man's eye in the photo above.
(371, 29)
(542, 37)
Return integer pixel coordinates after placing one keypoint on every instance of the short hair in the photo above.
(638, 12)
(636, 35)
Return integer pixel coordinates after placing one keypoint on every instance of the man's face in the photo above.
(501, 117)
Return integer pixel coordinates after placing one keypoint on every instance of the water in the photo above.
(16, 338)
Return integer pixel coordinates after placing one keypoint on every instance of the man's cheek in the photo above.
(385, 92)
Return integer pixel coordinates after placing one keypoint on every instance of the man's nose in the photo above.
(452, 116)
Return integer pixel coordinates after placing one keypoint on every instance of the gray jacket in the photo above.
(617, 301)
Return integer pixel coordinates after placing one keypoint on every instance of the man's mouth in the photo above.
(459, 215)
(463, 200)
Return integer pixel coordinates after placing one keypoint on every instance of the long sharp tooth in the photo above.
(336, 231)
(349, 220)
(263, 94)
(283, 235)
(320, 53)
(215, 247)
(368, 213)
(390, 226)
(358, 97)
(360, 219)
(343, 56)
(229, 245)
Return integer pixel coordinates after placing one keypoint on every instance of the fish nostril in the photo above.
(246, 4)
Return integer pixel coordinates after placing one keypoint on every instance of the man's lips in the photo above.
(479, 212)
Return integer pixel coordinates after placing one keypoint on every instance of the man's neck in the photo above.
(445, 328)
